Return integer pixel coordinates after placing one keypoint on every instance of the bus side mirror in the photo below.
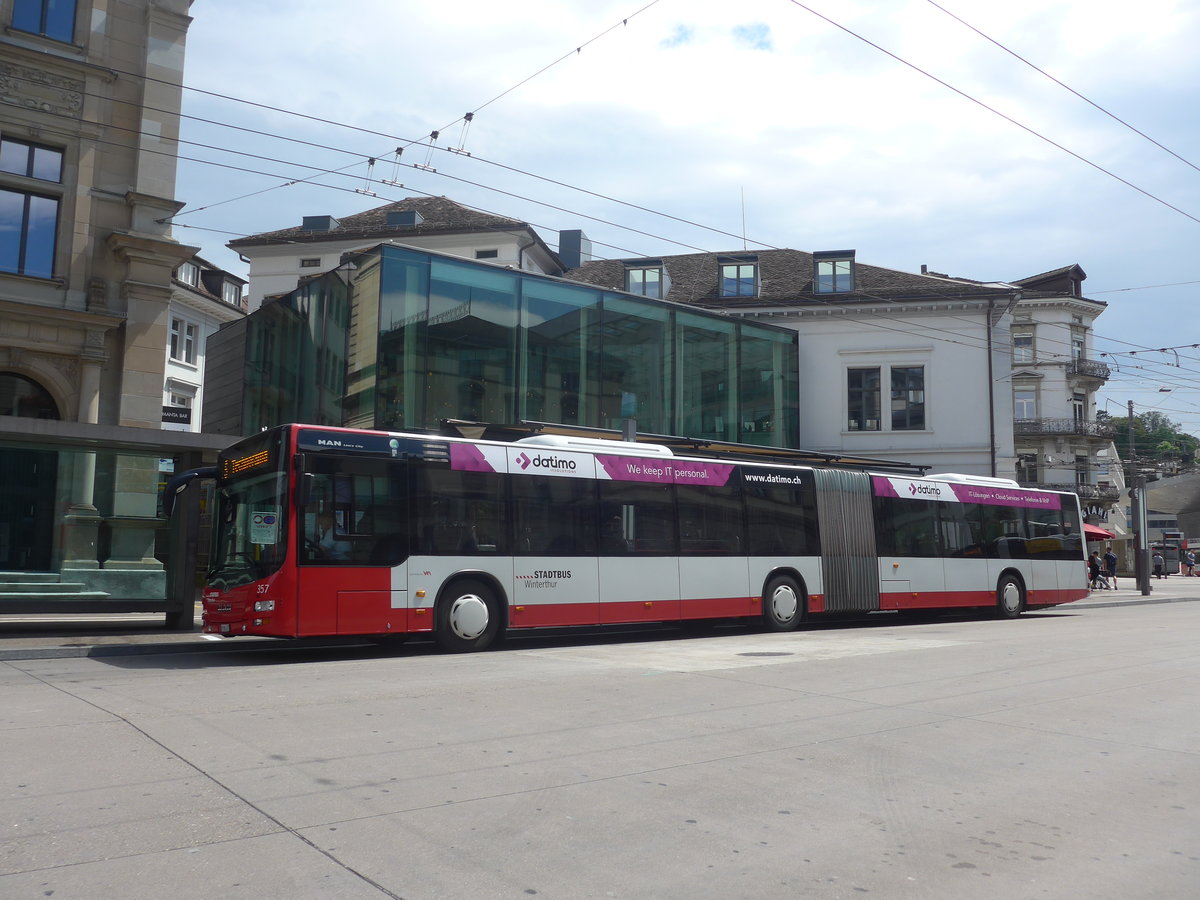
(304, 489)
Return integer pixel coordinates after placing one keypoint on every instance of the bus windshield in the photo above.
(250, 525)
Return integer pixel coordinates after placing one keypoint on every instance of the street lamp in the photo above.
(1137, 509)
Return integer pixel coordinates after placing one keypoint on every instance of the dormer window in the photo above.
(189, 273)
(739, 278)
(231, 293)
(833, 272)
(647, 280)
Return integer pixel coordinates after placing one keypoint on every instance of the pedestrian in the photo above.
(1191, 563)
(1157, 559)
(1110, 566)
(1094, 572)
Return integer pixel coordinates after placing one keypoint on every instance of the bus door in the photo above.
(353, 537)
(639, 566)
(555, 571)
(849, 562)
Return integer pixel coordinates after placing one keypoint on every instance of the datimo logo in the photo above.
(545, 462)
(931, 490)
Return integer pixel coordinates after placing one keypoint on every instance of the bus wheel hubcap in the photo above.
(468, 616)
(784, 604)
(1011, 597)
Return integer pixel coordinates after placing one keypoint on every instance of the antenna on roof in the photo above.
(743, 189)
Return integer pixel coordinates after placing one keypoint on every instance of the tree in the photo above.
(1156, 439)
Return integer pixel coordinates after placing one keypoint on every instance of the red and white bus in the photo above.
(334, 531)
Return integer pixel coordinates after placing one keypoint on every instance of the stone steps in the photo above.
(43, 587)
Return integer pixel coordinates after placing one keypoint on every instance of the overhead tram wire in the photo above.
(365, 158)
(467, 117)
(1063, 85)
(407, 141)
(994, 111)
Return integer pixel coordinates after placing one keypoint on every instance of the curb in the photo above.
(202, 645)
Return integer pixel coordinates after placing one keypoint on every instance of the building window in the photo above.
(231, 292)
(310, 262)
(29, 220)
(1079, 408)
(49, 18)
(1027, 467)
(487, 254)
(183, 341)
(739, 279)
(188, 273)
(1022, 344)
(31, 160)
(908, 398)
(28, 232)
(1083, 469)
(1024, 403)
(645, 281)
(833, 273)
(1077, 346)
(862, 396)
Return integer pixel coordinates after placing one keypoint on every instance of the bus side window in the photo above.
(554, 516)
(458, 512)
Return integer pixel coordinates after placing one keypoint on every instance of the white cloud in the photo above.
(687, 107)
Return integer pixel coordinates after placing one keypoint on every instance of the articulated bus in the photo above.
(332, 531)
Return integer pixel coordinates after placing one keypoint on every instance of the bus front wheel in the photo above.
(468, 617)
(1010, 597)
(783, 605)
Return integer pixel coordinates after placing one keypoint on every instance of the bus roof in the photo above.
(605, 438)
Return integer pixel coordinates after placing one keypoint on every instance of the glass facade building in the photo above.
(401, 339)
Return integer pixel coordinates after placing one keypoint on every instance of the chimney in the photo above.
(574, 249)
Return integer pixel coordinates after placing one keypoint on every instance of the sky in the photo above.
(910, 131)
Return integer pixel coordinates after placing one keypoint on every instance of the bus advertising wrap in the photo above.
(559, 464)
(663, 471)
(990, 495)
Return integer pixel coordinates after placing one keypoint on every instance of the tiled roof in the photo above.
(1072, 269)
(440, 216)
(785, 278)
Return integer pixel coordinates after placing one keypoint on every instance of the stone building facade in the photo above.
(89, 119)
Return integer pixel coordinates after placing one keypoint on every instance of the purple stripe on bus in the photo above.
(631, 468)
(664, 471)
(883, 487)
(989, 495)
(1002, 496)
(702, 473)
(468, 458)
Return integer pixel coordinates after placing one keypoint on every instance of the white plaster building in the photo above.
(203, 297)
(1055, 376)
(892, 364)
(280, 260)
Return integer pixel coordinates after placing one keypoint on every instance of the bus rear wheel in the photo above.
(783, 605)
(468, 617)
(1010, 597)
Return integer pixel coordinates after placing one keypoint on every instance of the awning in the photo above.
(1092, 533)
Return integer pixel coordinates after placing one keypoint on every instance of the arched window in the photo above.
(21, 396)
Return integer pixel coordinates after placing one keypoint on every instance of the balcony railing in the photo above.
(1089, 368)
(1063, 426)
(1105, 492)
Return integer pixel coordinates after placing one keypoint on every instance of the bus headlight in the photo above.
(264, 605)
